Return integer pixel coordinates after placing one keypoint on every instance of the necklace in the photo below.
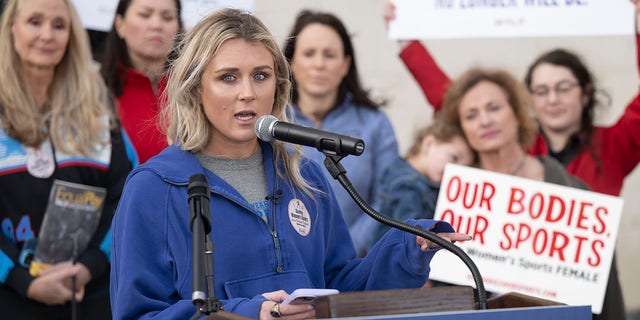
(520, 165)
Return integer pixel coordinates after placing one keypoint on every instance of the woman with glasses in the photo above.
(564, 99)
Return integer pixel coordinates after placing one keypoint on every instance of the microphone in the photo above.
(269, 128)
(198, 193)
(275, 196)
(200, 223)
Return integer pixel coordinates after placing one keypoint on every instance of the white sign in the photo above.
(442, 19)
(194, 10)
(99, 14)
(535, 238)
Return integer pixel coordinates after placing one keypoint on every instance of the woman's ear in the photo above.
(586, 94)
(346, 66)
(426, 143)
(118, 25)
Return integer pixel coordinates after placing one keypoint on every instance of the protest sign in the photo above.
(442, 19)
(531, 237)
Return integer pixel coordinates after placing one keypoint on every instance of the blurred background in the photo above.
(612, 59)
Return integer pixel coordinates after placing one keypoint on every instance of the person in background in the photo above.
(134, 63)
(409, 186)
(492, 109)
(327, 95)
(55, 124)
(275, 223)
(564, 102)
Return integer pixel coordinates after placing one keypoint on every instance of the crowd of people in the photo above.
(166, 104)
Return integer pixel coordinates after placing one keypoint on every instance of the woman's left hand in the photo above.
(273, 309)
(425, 244)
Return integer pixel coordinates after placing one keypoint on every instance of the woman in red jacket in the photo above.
(133, 66)
(563, 101)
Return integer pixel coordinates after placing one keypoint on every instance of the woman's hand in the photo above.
(82, 277)
(389, 15)
(53, 285)
(636, 4)
(272, 309)
(425, 244)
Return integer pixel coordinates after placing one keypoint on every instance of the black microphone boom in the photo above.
(269, 128)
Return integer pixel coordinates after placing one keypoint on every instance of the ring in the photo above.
(275, 311)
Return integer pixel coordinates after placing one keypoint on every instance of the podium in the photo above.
(454, 302)
(435, 303)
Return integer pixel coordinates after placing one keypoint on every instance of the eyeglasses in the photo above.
(562, 88)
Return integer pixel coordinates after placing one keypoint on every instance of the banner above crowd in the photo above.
(531, 237)
(450, 19)
(98, 15)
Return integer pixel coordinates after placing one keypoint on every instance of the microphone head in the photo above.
(198, 185)
(264, 127)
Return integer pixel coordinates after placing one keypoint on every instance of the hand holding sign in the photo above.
(531, 237)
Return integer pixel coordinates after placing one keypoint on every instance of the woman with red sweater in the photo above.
(133, 66)
(563, 101)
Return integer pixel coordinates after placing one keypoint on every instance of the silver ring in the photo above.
(275, 311)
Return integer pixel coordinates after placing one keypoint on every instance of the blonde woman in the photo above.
(275, 224)
(55, 124)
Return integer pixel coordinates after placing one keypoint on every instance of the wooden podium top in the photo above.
(413, 301)
(391, 302)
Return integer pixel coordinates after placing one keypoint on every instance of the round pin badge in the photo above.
(40, 163)
(299, 217)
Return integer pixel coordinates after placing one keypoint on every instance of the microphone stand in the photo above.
(337, 171)
(202, 247)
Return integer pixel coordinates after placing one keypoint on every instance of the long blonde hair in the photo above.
(77, 96)
(187, 125)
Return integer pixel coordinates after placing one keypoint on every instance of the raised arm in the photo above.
(430, 77)
(621, 142)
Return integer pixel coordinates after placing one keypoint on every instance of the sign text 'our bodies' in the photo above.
(550, 225)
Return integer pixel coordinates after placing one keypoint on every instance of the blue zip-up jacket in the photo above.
(301, 246)
(381, 148)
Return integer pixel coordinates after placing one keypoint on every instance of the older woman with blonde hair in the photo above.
(275, 224)
(491, 107)
(55, 125)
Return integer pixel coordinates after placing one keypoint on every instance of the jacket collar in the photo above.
(175, 165)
